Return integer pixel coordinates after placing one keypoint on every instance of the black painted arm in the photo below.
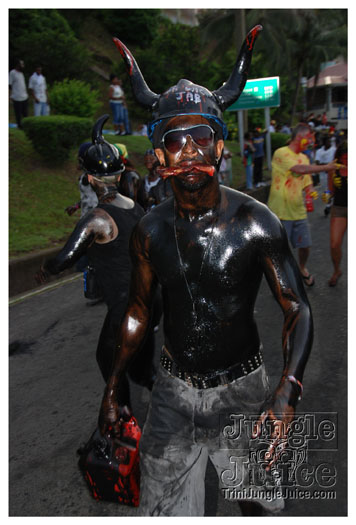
(284, 279)
(133, 328)
(94, 225)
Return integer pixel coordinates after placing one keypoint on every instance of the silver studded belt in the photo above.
(202, 381)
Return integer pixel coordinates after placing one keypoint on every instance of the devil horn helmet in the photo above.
(97, 131)
(101, 158)
(186, 97)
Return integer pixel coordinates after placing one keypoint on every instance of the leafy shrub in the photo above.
(54, 136)
(44, 37)
(73, 97)
(278, 140)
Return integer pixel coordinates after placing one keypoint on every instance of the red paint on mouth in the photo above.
(173, 171)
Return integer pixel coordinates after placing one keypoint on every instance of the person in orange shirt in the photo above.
(290, 178)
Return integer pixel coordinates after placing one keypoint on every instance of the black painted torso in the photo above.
(224, 288)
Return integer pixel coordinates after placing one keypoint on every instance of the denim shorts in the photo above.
(339, 211)
(185, 427)
(298, 233)
(117, 112)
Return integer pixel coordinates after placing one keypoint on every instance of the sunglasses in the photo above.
(175, 139)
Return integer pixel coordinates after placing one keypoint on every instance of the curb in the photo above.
(44, 288)
(22, 269)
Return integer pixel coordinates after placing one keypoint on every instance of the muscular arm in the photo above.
(283, 276)
(94, 226)
(133, 327)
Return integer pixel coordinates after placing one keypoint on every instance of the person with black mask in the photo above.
(103, 234)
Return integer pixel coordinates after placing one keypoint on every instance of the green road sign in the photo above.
(258, 93)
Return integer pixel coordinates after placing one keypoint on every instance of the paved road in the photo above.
(55, 392)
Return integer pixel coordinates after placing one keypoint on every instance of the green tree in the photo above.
(315, 36)
(300, 41)
(133, 26)
(330, 41)
(294, 43)
(173, 54)
(43, 37)
(221, 29)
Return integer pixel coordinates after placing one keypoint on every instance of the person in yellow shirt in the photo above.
(290, 178)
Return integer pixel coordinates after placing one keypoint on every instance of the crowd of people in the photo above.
(182, 243)
(307, 162)
(314, 145)
(115, 213)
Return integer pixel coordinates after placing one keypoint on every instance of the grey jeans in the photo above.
(185, 427)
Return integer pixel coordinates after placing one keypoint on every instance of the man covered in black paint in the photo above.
(208, 247)
(103, 234)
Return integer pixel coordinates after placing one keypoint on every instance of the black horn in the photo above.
(97, 132)
(141, 91)
(229, 92)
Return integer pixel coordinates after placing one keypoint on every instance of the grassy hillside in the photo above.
(38, 196)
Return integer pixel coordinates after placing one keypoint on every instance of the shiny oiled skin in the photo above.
(95, 226)
(247, 242)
